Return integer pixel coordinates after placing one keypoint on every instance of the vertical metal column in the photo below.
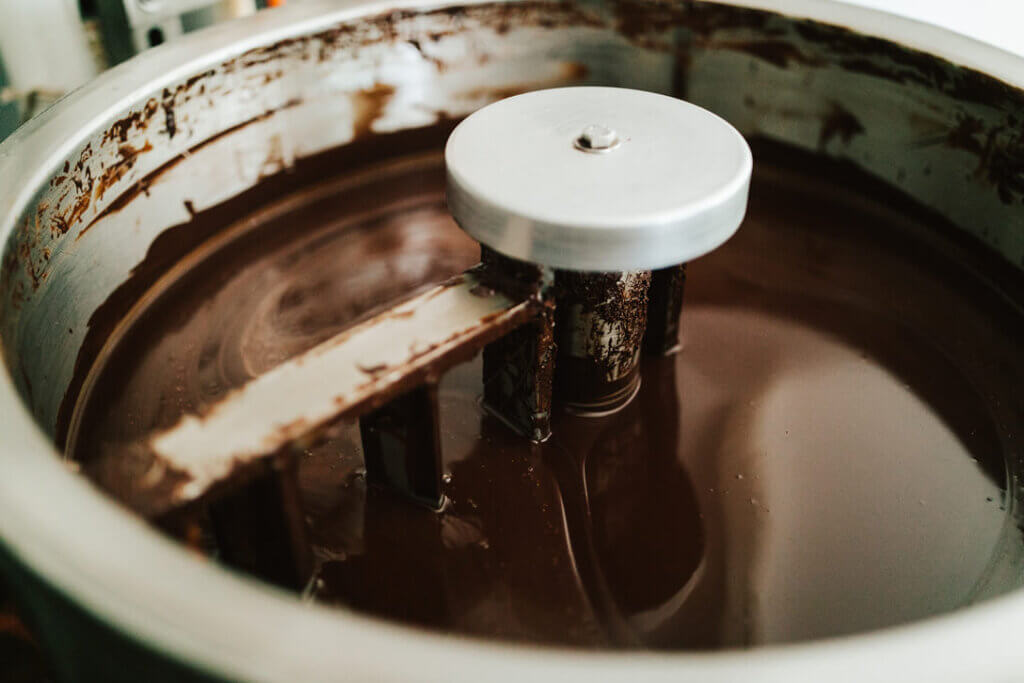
(519, 368)
(601, 319)
(260, 527)
(664, 310)
(402, 446)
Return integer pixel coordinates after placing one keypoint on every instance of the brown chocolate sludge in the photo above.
(820, 444)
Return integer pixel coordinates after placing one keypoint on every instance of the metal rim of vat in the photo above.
(114, 566)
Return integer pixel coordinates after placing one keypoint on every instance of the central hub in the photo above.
(613, 234)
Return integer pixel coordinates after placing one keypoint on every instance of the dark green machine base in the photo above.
(77, 646)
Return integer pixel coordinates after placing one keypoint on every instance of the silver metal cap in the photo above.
(595, 178)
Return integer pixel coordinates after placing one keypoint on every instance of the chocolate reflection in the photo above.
(634, 522)
(592, 538)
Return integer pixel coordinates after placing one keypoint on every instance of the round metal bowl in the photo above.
(89, 185)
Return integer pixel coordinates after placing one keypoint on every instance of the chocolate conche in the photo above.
(826, 454)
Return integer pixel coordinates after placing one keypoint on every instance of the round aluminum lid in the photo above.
(592, 178)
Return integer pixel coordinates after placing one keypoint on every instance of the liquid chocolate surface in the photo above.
(830, 452)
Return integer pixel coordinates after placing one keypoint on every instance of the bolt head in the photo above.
(597, 138)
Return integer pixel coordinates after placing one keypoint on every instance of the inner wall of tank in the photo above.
(944, 135)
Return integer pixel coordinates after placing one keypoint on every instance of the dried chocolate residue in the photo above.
(140, 119)
(418, 45)
(839, 122)
(516, 279)
(705, 19)
(170, 123)
(782, 41)
(778, 52)
(965, 135)
(373, 370)
(181, 93)
(612, 309)
(61, 224)
(174, 243)
(1000, 152)
(644, 21)
(143, 184)
(135, 120)
(1004, 167)
(113, 173)
(79, 177)
(885, 59)
(368, 105)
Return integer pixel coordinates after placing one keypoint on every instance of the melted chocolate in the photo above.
(828, 453)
